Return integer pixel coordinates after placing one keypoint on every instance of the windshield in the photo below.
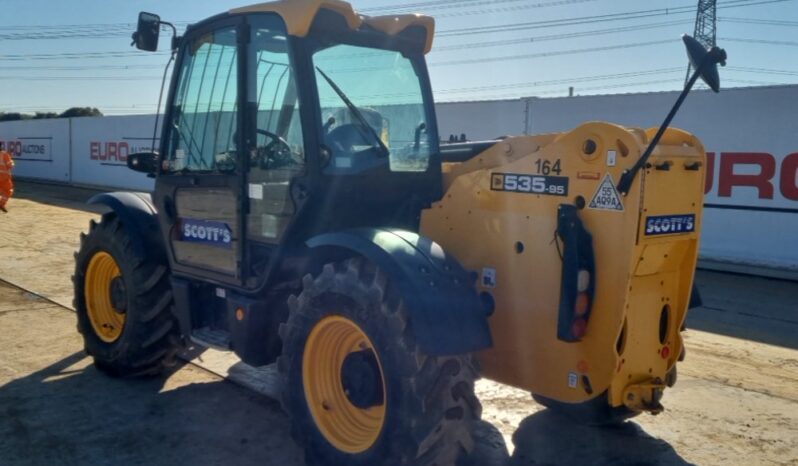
(372, 105)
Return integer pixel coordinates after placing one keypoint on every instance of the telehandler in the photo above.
(306, 214)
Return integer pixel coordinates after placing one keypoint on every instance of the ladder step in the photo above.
(213, 338)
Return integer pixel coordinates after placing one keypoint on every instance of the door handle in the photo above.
(169, 209)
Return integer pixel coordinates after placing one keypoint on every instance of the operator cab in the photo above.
(283, 123)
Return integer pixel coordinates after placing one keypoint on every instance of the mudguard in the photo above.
(140, 218)
(447, 315)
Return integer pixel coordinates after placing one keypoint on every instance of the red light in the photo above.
(578, 328)
(665, 352)
(582, 367)
(582, 304)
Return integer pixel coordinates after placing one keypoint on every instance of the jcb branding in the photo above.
(670, 224)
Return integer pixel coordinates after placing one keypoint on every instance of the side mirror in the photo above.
(147, 33)
(144, 162)
(705, 61)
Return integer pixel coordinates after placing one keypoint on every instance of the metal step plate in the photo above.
(212, 338)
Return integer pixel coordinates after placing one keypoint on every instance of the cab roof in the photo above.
(300, 14)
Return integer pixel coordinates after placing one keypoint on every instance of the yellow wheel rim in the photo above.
(348, 428)
(106, 321)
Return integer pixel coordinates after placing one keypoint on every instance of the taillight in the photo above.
(578, 270)
(582, 304)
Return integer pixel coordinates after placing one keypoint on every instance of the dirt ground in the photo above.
(736, 401)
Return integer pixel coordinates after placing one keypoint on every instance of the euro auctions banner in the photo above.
(40, 148)
(100, 147)
(31, 148)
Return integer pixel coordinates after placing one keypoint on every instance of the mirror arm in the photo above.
(167, 23)
(175, 38)
(628, 176)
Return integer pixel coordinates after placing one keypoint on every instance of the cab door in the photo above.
(276, 171)
(199, 188)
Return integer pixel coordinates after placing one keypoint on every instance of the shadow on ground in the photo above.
(747, 307)
(547, 438)
(69, 197)
(69, 413)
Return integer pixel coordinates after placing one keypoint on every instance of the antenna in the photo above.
(706, 26)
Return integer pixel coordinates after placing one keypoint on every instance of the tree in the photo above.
(13, 116)
(44, 115)
(81, 112)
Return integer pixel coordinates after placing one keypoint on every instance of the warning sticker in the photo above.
(573, 380)
(607, 197)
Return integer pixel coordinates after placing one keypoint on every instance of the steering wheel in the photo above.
(276, 153)
(344, 138)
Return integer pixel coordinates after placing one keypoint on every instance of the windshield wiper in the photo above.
(356, 112)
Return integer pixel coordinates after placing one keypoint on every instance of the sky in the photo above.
(56, 54)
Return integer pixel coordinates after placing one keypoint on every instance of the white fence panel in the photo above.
(482, 120)
(100, 147)
(40, 148)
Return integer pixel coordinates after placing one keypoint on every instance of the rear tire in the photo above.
(428, 406)
(123, 303)
(595, 412)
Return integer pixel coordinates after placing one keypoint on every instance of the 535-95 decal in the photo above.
(530, 184)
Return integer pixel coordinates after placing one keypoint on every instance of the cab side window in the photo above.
(204, 121)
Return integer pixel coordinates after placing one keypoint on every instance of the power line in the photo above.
(564, 91)
(625, 75)
(572, 35)
(510, 9)
(123, 29)
(82, 67)
(550, 54)
(765, 22)
(577, 21)
(762, 70)
(760, 41)
(79, 78)
(73, 31)
(140, 107)
(449, 4)
(74, 55)
(756, 83)
(631, 74)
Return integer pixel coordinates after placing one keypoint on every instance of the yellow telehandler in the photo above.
(306, 214)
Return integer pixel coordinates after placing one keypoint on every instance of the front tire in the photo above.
(123, 303)
(349, 328)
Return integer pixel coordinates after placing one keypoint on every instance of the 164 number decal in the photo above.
(546, 167)
(530, 184)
